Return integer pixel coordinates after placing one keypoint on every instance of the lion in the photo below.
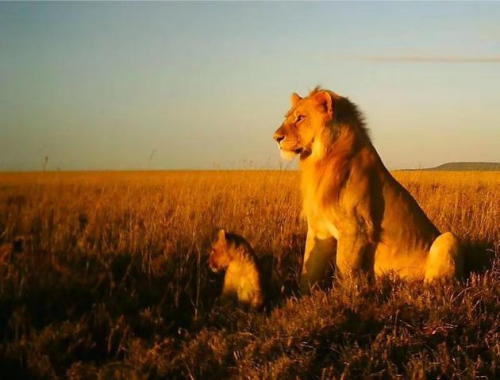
(357, 213)
(242, 282)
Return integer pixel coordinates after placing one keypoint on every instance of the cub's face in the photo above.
(219, 258)
(304, 123)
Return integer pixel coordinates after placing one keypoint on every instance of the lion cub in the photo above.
(242, 283)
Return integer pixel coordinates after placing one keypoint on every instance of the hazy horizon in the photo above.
(173, 86)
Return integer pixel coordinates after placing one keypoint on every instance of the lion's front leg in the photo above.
(352, 255)
(320, 251)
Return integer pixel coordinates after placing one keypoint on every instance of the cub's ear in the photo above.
(222, 235)
(295, 99)
(324, 98)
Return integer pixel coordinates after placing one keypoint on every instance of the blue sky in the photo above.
(204, 85)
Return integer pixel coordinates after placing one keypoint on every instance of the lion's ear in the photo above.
(295, 99)
(324, 98)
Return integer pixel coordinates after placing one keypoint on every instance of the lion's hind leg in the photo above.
(445, 260)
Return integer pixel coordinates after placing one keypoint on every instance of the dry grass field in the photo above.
(104, 276)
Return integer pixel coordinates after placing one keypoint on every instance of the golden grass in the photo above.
(117, 262)
(131, 211)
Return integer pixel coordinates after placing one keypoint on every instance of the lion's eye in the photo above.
(300, 118)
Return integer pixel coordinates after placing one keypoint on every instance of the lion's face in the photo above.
(304, 123)
(219, 255)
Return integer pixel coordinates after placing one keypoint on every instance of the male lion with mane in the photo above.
(352, 202)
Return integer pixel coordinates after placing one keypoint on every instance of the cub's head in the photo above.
(304, 122)
(220, 257)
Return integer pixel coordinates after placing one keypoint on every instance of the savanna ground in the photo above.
(105, 275)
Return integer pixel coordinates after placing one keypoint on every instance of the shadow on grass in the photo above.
(478, 256)
(61, 308)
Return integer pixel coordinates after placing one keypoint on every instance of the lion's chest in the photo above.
(324, 218)
(323, 224)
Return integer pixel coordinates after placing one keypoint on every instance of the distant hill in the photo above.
(468, 166)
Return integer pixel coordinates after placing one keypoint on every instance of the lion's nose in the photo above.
(278, 137)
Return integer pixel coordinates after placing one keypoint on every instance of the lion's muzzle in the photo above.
(278, 136)
(212, 263)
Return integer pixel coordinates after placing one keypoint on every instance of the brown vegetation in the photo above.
(105, 275)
